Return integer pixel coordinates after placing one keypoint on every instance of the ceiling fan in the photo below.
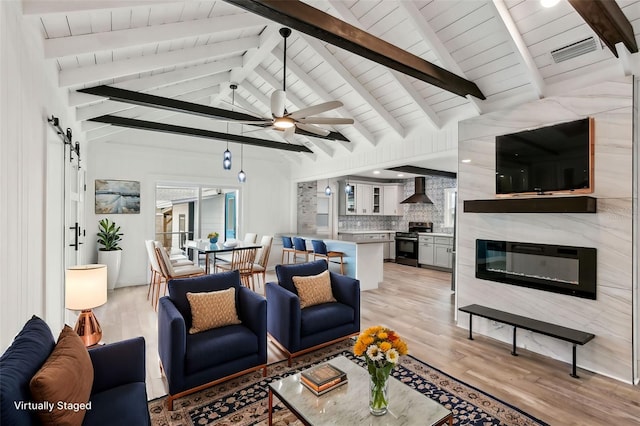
(303, 119)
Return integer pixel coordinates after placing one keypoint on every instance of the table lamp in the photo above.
(86, 288)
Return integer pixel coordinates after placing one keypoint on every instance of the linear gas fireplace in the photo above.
(560, 269)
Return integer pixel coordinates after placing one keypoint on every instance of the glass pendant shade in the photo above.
(327, 190)
(347, 188)
(242, 176)
(226, 160)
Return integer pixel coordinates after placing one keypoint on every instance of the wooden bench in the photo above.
(576, 337)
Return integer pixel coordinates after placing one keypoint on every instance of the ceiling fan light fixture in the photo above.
(283, 123)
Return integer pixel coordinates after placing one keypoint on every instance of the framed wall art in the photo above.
(117, 196)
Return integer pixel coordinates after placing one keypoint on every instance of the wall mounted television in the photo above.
(549, 160)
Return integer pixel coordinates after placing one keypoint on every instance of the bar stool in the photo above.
(287, 248)
(320, 250)
(300, 247)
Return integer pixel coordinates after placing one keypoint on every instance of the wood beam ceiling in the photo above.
(175, 105)
(320, 25)
(201, 133)
(607, 19)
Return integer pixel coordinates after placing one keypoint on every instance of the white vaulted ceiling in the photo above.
(193, 50)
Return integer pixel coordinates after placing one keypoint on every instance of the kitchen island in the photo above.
(362, 259)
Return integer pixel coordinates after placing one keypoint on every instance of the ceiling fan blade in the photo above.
(278, 99)
(313, 129)
(325, 120)
(258, 130)
(315, 109)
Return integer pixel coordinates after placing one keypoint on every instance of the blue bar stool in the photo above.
(300, 247)
(287, 248)
(320, 250)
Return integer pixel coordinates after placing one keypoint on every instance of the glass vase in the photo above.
(378, 392)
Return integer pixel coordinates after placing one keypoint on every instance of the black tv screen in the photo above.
(552, 159)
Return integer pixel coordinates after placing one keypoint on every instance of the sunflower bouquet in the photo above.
(381, 349)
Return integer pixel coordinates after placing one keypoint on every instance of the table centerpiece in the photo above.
(381, 349)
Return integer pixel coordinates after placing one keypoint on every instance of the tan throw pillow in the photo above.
(64, 381)
(212, 310)
(314, 289)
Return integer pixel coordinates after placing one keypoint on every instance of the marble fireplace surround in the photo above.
(610, 230)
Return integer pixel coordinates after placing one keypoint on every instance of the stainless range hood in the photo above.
(419, 196)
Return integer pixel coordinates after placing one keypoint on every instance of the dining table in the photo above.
(208, 248)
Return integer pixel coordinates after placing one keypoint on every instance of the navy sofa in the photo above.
(192, 362)
(298, 331)
(118, 395)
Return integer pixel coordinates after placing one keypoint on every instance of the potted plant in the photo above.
(213, 237)
(110, 253)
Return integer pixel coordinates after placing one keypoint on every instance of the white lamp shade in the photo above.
(85, 286)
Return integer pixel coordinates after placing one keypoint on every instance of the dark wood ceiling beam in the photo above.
(132, 123)
(321, 25)
(175, 105)
(607, 19)
(147, 100)
(423, 171)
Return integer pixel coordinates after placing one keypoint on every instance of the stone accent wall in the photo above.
(307, 208)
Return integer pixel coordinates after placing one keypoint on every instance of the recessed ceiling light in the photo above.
(376, 172)
(466, 160)
(549, 3)
(400, 175)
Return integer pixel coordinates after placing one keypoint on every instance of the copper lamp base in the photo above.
(88, 328)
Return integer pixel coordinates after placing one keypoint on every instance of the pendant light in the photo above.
(327, 190)
(242, 176)
(226, 158)
(347, 187)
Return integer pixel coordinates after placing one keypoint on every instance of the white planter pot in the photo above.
(112, 259)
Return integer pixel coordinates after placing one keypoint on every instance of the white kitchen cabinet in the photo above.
(425, 250)
(435, 251)
(364, 199)
(392, 246)
(392, 195)
(347, 203)
(376, 199)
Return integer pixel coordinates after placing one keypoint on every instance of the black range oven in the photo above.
(407, 243)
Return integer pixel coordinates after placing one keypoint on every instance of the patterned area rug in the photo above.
(244, 401)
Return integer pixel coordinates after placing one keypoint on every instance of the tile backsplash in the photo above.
(435, 186)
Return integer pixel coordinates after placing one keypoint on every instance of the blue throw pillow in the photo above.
(29, 350)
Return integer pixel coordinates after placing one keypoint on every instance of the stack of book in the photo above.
(323, 378)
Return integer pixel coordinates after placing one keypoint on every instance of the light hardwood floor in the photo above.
(418, 304)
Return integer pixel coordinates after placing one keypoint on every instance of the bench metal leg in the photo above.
(513, 351)
(573, 367)
(470, 326)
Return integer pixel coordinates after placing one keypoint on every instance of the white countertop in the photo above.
(436, 234)
(381, 231)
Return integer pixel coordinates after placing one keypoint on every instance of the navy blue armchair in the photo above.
(298, 331)
(192, 362)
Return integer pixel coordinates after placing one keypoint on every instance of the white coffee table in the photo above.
(349, 404)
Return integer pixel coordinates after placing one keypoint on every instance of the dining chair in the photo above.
(320, 250)
(170, 272)
(300, 248)
(262, 257)
(242, 260)
(287, 248)
(250, 238)
(156, 273)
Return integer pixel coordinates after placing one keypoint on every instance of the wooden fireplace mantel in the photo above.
(575, 204)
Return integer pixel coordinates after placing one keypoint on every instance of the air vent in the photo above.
(574, 50)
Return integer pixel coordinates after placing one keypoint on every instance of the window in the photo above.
(449, 207)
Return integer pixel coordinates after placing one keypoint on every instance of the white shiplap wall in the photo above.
(31, 188)
(609, 231)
